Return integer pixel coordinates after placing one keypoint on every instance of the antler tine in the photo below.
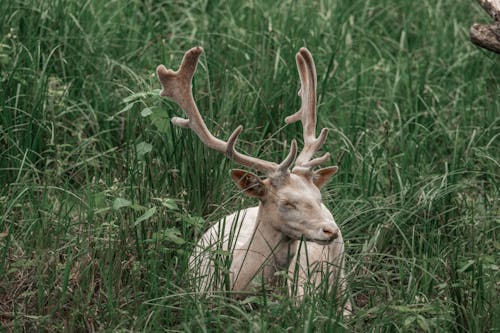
(177, 86)
(287, 162)
(307, 112)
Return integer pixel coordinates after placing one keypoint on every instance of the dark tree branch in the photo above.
(492, 7)
(488, 36)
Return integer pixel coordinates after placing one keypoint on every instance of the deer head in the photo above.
(290, 198)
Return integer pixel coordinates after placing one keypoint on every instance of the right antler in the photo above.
(307, 112)
(177, 86)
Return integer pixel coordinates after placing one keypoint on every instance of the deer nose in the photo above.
(331, 233)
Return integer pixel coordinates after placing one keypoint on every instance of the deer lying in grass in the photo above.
(291, 230)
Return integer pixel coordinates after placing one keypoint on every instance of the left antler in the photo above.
(307, 112)
(177, 86)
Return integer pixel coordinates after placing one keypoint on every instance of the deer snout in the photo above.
(330, 233)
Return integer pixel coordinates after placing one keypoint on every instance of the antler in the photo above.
(177, 86)
(307, 112)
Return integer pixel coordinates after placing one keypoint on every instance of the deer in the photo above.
(291, 232)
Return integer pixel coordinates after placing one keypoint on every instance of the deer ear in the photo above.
(322, 176)
(250, 183)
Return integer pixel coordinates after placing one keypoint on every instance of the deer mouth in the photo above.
(317, 240)
(323, 242)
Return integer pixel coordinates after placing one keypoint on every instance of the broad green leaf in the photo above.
(146, 112)
(466, 266)
(409, 320)
(138, 207)
(169, 203)
(160, 120)
(120, 203)
(195, 221)
(150, 212)
(125, 109)
(173, 235)
(99, 200)
(142, 148)
(136, 96)
(251, 300)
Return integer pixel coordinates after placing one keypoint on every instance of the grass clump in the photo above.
(102, 199)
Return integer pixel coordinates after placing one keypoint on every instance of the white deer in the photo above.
(291, 230)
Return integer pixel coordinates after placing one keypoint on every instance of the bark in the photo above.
(484, 35)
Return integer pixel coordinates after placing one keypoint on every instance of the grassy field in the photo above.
(102, 200)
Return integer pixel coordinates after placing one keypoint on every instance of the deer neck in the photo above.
(269, 251)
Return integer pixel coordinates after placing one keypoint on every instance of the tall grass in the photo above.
(102, 199)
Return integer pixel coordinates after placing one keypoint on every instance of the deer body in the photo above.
(259, 252)
(291, 230)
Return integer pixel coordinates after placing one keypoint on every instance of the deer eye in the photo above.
(289, 205)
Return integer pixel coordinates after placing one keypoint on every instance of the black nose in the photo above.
(331, 233)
